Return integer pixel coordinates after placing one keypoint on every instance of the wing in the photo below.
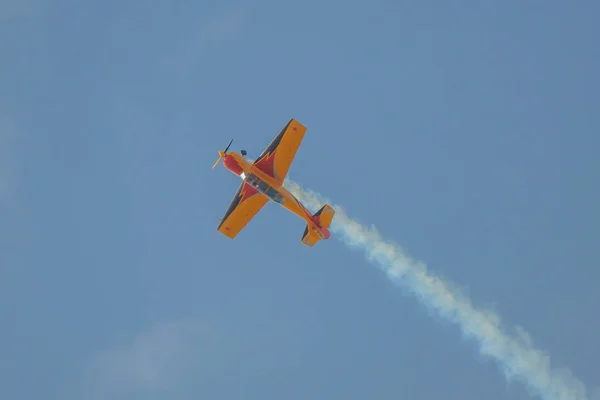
(244, 206)
(276, 159)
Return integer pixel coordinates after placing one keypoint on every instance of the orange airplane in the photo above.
(263, 181)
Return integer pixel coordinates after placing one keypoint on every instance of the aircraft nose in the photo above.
(232, 165)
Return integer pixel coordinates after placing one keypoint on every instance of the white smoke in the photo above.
(514, 354)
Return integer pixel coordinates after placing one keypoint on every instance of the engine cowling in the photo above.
(232, 165)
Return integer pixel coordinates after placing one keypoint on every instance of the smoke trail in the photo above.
(515, 355)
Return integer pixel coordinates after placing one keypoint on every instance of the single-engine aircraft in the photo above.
(263, 181)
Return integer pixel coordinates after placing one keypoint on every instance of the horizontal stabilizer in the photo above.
(310, 237)
(324, 216)
(323, 219)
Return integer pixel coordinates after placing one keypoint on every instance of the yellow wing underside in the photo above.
(246, 203)
(277, 158)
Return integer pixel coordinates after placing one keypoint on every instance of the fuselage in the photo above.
(271, 188)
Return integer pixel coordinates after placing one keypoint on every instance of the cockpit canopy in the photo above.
(264, 188)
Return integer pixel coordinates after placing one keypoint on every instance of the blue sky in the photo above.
(466, 133)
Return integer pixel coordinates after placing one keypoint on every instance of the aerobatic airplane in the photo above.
(263, 181)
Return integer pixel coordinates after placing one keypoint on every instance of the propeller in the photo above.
(222, 154)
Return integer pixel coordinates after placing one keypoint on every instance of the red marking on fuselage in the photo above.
(232, 165)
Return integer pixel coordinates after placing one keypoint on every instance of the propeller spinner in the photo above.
(222, 154)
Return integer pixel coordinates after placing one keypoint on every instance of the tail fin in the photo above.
(323, 219)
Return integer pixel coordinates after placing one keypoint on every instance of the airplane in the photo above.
(263, 181)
